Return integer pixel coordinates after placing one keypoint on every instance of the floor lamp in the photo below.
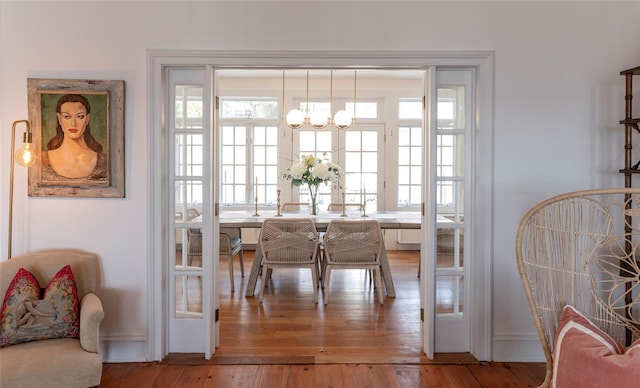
(25, 156)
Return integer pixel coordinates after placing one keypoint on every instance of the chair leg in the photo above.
(326, 279)
(241, 263)
(231, 272)
(379, 284)
(265, 270)
(314, 279)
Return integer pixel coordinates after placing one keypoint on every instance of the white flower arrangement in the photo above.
(313, 171)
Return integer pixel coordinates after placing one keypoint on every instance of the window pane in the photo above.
(404, 155)
(450, 155)
(307, 140)
(188, 158)
(188, 107)
(449, 295)
(450, 199)
(364, 110)
(403, 175)
(249, 108)
(352, 141)
(369, 141)
(450, 107)
(188, 295)
(410, 109)
(241, 155)
(369, 162)
(259, 156)
(404, 136)
(188, 192)
(450, 248)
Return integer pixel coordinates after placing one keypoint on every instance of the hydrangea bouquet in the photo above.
(312, 171)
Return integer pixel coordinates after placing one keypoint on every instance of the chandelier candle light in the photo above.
(313, 171)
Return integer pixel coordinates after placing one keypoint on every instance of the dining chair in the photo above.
(351, 244)
(289, 242)
(231, 245)
(346, 206)
(294, 206)
(194, 245)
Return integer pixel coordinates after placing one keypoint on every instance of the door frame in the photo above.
(482, 204)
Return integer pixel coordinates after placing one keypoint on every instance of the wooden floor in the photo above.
(288, 341)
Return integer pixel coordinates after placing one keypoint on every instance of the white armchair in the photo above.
(60, 362)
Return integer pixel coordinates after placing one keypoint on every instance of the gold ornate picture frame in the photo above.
(78, 132)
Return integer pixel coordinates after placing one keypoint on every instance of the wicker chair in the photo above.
(352, 244)
(353, 207)
(289, 242)
(569, 250)
(194, 245)
(231, 245)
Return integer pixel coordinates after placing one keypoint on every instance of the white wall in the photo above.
(558, 100)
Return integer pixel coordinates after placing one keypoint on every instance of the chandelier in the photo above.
(295, 119)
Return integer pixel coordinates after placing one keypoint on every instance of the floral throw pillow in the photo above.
(25, 317)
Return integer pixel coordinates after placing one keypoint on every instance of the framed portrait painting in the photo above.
(78, 131)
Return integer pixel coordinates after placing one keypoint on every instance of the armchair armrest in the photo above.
(91, 314)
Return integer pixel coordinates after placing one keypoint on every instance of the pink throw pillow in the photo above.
(585, 356)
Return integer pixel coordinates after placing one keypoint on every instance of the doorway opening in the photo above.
(208, 223)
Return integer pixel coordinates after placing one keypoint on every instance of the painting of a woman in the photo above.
(79, 137)
(73, 152)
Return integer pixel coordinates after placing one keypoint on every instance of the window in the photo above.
(234, 164)
(361, 167)
(409, 152)
(249, 140)
(265, 162)
(319, 144)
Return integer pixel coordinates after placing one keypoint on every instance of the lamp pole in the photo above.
(26, 157)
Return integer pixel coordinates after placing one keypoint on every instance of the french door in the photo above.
(192, 299)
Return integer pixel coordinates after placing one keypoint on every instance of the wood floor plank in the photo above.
(450, 376)
(195, 376)
(499, 374)
(273, 376)
(236, 376)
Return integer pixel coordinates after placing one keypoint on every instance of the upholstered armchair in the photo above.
(53, 362)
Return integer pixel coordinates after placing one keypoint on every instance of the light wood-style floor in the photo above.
(288, 341)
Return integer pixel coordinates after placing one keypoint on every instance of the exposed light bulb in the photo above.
(26, 155)
(318, 120)
(295, 118)
(342, 119)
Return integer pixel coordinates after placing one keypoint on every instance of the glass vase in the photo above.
(313, 193)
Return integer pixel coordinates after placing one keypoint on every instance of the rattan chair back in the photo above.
(289, 242)
(561, 244)
(352, 244)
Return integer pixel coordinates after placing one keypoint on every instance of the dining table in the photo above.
(387, 220)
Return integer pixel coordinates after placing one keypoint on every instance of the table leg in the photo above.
(255, 271)
(386, 273)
